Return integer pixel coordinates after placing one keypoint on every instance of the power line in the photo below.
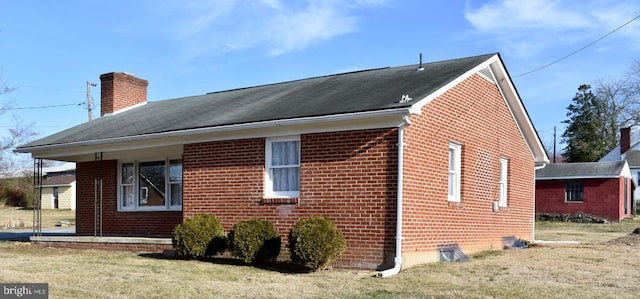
(576, 51)
(41, 107)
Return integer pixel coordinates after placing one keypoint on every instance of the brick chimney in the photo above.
(119, 91)
(625, 139)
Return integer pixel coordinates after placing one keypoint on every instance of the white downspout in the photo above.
(534, 202)
(398, 258)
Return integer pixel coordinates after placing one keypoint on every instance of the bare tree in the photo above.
(620, 106)
(21, 132)
(598, 113)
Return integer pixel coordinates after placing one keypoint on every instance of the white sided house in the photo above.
(59, 187)
(629, 150)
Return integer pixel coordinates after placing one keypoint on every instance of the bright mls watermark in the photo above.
(24, 290)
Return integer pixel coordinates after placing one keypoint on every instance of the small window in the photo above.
(504, 176)
(454, 171)
(282, 167)
(573, 191)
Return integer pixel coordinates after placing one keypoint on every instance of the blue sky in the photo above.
(49, 49)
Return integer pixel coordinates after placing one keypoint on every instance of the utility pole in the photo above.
(554, 144)
(89, 107)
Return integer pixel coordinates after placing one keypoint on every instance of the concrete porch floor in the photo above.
(131, 244)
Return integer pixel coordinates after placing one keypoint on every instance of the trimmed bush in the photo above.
(315, 242)
(199, 236)
(254, 241)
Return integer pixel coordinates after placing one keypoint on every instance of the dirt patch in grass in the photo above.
(632, 239)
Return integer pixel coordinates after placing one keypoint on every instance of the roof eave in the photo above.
(222, 129)
(520, 114)
(510, 94)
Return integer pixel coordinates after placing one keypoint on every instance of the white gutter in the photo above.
(398, 258)
(540, 166)
(223, 128)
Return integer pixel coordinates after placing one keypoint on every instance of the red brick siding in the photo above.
(114, 222)
(601, 197)
(120, 90)
(474, 114)
(349, 177)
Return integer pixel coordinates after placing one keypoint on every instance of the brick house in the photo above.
(602, 189)
(445, 150)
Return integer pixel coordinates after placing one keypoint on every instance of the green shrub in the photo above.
(315, 242)
(199, 236)
(254, 241)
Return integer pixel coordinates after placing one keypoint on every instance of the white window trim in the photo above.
(136, 182)
(268, 182)
(457, 152)
(503, 183)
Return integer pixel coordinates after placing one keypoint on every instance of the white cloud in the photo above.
(514, 15)
(294, 30)
(218, 26)
(525, 28)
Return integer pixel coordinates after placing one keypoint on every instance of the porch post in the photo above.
(37, 197)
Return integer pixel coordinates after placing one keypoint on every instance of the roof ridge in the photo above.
(303, 79)
(347, 73)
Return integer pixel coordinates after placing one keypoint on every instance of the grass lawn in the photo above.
(11, 217)
(590, 270)
(589, 233)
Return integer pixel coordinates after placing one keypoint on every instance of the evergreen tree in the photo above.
(587, 135)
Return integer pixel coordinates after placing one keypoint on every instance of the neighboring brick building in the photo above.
(445, 148)
(603, 189)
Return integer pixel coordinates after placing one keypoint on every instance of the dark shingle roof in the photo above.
(370, 90)
(59, 180)
(581, 170)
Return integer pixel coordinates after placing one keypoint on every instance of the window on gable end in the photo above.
(503, 182)
(282, 159)
(455, 166)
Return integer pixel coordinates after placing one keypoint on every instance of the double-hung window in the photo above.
(150, 186)
(455, 165)
(504, 170)
(282, 178)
